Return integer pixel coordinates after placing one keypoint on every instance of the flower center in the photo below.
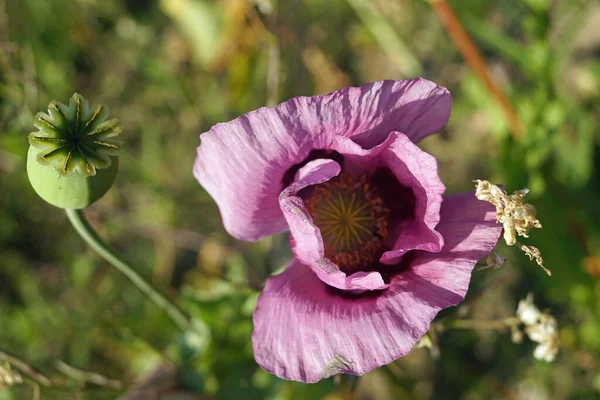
(353, 221)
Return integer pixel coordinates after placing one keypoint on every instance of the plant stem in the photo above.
(86, 376)
(25, 368)
(85, 230)
(473, 56)
(482, 324)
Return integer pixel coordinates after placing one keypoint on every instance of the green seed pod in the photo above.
(73, 157)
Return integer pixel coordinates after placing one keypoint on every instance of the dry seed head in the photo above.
(540, 327)
(8, 377)
(516, 216)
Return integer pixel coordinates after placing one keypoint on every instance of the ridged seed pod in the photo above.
(73, 157)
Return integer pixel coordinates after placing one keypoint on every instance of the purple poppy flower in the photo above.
(378, 250)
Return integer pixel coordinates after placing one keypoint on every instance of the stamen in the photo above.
(353, 221)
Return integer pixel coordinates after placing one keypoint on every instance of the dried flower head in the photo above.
(540, 327)
(9, 377)
(527, 312)
(516, 216)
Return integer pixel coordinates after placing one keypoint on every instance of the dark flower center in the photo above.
(353, 220)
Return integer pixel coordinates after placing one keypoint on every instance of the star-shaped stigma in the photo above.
(76, 138)
(352, 219)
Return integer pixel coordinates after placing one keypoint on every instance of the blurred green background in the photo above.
(170, 69)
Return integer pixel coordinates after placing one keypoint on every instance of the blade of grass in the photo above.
(386, 37)
(503, 44)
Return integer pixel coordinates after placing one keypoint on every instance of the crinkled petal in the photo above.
(416, 107)
(307, 331)
(242, 163)
(306, 239)
(470, 233)
(414, 170)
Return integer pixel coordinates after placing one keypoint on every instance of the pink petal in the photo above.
(306, 240)
(242, 163)
(416, 171)
(307, 331)
(467, 238)
(416, 107)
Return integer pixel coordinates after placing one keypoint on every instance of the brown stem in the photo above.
(473, 57)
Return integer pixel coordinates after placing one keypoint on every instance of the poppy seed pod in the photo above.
(73, 157)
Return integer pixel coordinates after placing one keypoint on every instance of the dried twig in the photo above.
(473, 57)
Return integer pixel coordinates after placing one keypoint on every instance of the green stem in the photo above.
(482, 324)
(86, 376)
(92, 238)
(25, 368)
